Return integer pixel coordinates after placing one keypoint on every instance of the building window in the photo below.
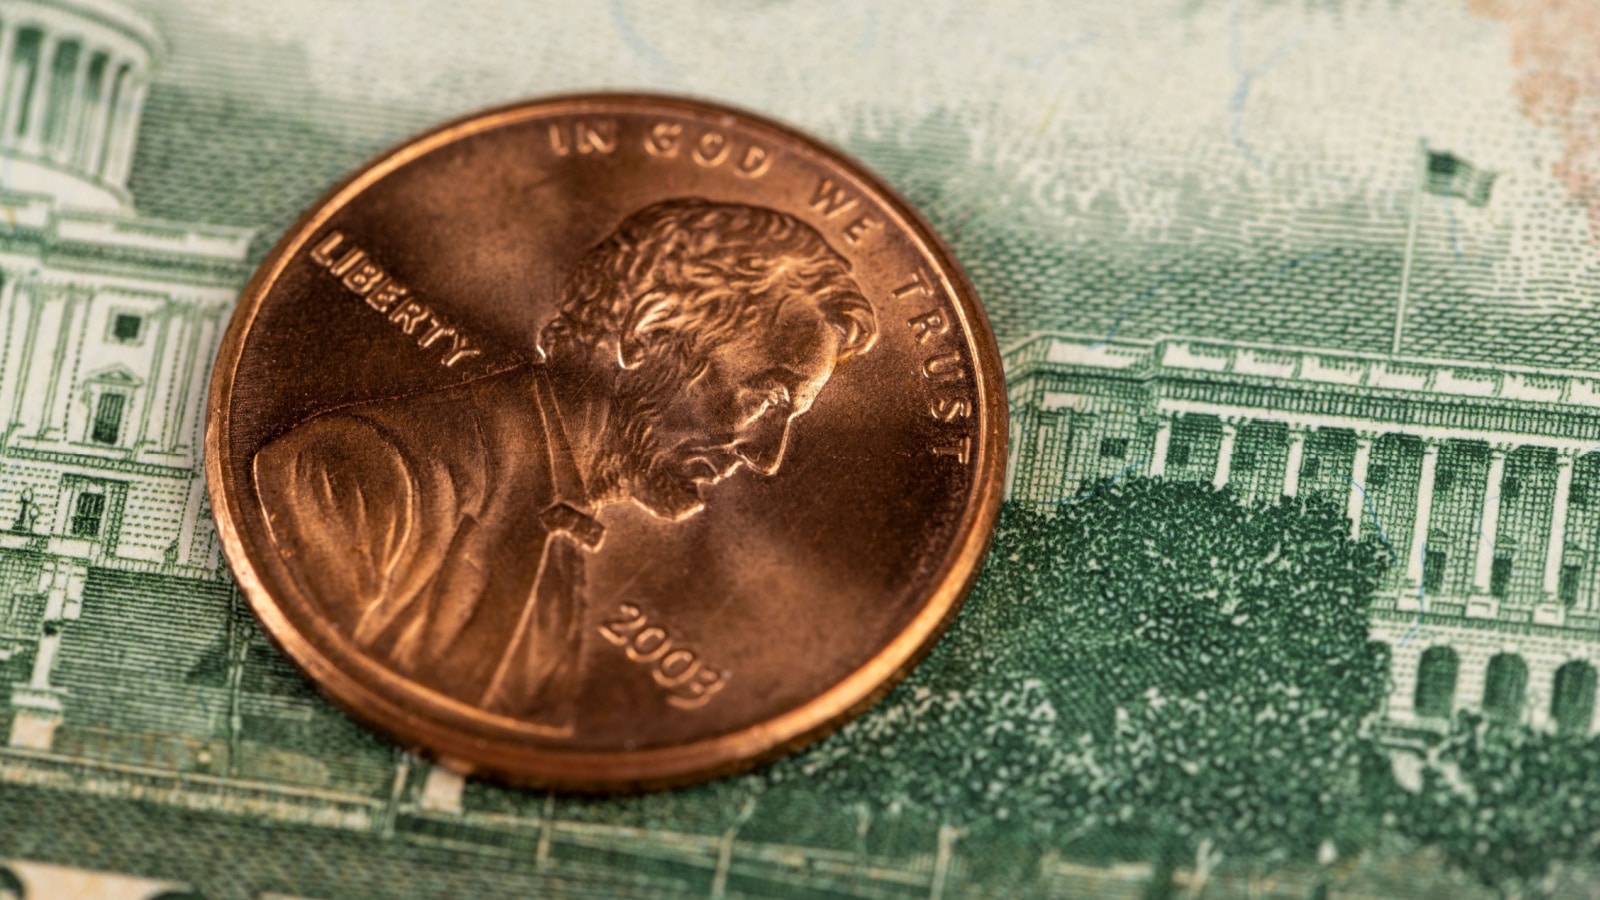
(108, 418)
(1433, 570)
(1309, 467)
(1436, 683)
(1378, 476)
(1567, 589)
(1244, 461)
(1444, 480)
(1178, 454)
(1500, 576)
(1511, 487)
(1578, 495)
(1114, 448)
(87, 515)
(126, 327)
(1572, 701)
(1505, 687)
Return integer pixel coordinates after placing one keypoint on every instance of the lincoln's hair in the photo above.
(683, 274)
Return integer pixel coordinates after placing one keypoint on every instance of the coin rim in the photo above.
(502, 756)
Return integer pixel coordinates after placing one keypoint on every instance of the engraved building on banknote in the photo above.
(1483, 479)
(128, 662)
(108, 316)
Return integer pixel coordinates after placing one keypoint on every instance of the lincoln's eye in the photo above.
(775, 398)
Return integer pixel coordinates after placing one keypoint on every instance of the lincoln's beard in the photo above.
(631, 462)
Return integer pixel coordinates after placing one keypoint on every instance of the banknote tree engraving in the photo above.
(1232, 641)
(1506, 803)
(1157, 660)
(686, 344)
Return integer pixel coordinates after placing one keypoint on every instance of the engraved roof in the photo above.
(203, 159)
(1306, 365)
(1342, 298)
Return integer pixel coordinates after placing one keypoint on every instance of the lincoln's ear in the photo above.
(654, 314)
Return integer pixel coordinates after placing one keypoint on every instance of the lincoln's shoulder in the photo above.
(338, 441)
(446, 427)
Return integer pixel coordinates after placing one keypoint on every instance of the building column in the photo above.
(57, 395)
(38, 703)
(117, 103)
(29, 306)
(112, 95)
(8, 46)
(127, 135)
(1472, 666)
(90, 134)
(12, 87)
(1558, 522)
(17, 322)
(1357, 506)
(194, 499)
(67, 136)
(1541, 690)
(1489, 529)
(1158, 455)
(188, 413)
(33, 141)
(1419, 526)
(49, 318)
(140, 94)
(1297, 458)
(160, 385)
(1230, 433)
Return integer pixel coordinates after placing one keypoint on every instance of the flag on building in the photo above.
(1451, 176)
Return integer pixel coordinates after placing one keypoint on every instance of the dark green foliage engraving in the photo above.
(1156, 662)
(1505, 803)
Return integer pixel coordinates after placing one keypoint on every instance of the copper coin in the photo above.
(607, 442)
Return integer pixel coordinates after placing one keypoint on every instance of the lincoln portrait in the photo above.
(445, 533)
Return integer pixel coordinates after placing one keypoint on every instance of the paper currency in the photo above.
(1233, 252)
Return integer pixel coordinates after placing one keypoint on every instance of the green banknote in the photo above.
(1296, 592)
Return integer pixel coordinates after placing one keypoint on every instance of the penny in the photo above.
(607, 442)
